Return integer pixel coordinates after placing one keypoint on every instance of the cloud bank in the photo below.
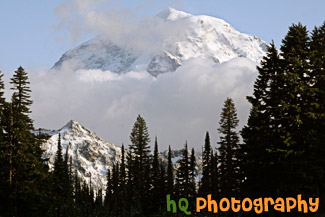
(177, 106)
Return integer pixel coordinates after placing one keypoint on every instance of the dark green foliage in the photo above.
(123, 187)
(284, 138)
(259, 163)
(4, 149)
(162, 188)
(215, 176)
(192, 173)
(228, 149)
(155, 191)
(206, 181)
(139, 167)
(316, 116)
(183, 181)
(27, 177)
(62, 188)
(170, 174)
(108, 192)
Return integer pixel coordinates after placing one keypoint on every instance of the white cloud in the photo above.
(111, 20)
(177, 106)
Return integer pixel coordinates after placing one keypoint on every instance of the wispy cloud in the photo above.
(111, 20)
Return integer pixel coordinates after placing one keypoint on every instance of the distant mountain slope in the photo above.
(195, 36)
(91, 155)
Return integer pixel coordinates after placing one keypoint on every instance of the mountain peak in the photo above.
(172, 14)
(182, 36)
(72, 125)
(91, 155)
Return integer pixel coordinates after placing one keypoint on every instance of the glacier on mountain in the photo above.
(190, 37)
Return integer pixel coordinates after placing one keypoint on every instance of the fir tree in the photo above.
(59, 175)
(108, 193)
(316, 120)
(192, 173)
(5, 157)
(206, 181)
(139, 166)
(295, 109)
(162, 188)
(77, 194)
(229, 145)
(155, 177)
(183, 183)
(26, 164)
(170, 173)
(116, 197)
(123, 185)
(262, 135)
(214, 173)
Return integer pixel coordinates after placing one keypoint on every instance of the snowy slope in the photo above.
(91, 155)
(195, 36)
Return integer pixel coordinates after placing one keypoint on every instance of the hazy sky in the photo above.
(177, 106)
(30, 37)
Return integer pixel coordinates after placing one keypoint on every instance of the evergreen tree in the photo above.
(59, 175)
(316, 122)
(155, 179)
(5, 156)
(108, 193)
(115, 206)
(162, 188)
(229, 145)
(139, 166)
(214, 173)
(192, 174)
(98, 205)
(170, 173)
(281, 140)
(77, 194)
(25, 156)
(262, 135)
(123, 185)
(183, 182)
(206, 181)
(295, 109)
(68, 184)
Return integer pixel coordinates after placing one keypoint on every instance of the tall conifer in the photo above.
(228, 149)
(170, 173)
(206, 181)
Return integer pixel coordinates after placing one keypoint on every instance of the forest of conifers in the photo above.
(281, 153)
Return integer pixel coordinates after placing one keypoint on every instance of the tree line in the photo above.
(281, 154)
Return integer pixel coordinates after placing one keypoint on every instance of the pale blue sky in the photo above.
(28, 36)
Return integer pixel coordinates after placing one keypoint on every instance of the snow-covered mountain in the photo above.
(91, 155)
(193, 36)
